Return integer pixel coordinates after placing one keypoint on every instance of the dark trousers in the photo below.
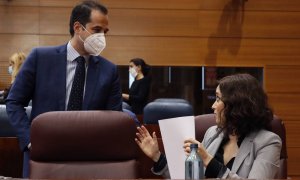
(26, 159)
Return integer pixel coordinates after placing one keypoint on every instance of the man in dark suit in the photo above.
(49, 74)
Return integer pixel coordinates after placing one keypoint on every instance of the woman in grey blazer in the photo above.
(241, 145)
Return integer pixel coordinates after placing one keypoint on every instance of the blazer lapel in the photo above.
(244, 151)
(91, 81)
(214, 143)
(61, 64)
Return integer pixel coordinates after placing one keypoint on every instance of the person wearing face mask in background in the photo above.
(139, 91)
(15, 62)
(49, 73)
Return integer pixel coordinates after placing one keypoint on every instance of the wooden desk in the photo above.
(11, 157)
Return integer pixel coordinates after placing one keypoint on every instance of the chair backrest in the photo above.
(166, 108)
(177, 100)
(11, 156)
(203, 122)
(83, 144)
(6, 130)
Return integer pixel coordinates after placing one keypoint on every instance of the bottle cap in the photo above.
(194, 146)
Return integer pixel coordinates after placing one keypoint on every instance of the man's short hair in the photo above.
(82, 13)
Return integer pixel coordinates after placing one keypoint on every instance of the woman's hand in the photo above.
(206, 157)
(148, 144)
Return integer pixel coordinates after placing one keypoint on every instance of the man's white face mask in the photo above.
(94, 43)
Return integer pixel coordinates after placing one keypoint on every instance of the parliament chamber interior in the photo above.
(190, 45)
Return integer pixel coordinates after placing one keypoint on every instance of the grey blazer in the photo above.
(258, 156)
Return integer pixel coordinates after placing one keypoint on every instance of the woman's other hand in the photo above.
(148, 144)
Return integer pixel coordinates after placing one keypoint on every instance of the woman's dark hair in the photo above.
(82, 13)
(246, 106)
(140, 62)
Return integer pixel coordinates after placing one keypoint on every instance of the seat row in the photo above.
(97, 144)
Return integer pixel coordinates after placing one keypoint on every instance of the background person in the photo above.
(240, 145)
(15, 62)
(68, 77)
(139, 91)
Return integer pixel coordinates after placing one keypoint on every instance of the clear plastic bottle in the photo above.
(194, 164)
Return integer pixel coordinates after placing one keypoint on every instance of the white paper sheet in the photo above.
(174, 131)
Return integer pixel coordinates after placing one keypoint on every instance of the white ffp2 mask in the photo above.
(10, 70)
(95, 43)
(133, 72)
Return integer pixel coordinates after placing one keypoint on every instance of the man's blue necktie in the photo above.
(76, 95)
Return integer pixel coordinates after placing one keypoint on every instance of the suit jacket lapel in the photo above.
(214, 143)
(91, 81)
(244, 151)
(61, 64)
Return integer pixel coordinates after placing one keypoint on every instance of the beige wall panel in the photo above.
(282, 79)
(251, 52)
(47, 40)
(10, 44)
(293, 161)
(143, 22)
(203, 51)
(135, 22)
(19, 2)
(156, 51)
(291, 5)
(59, 3)
(292, 133)
(285, 104)
(19, 20)
(54, 20)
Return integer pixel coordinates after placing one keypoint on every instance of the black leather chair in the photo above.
(166, 108)
(175, 100)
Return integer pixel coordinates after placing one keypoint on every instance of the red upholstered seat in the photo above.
(83, 144)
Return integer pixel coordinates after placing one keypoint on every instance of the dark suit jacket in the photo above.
(42, 78)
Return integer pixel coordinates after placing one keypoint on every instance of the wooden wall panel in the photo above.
(285, 104)
(19, 2)
(293, 161)
(54, 20)
(282, 79)
(51, 40)
(182, 51)
(158, 51)
(141, 22)
(292, 135)
(19, 20)
(185, 51)
(59, 3)
(269, 5)
(11, 43)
